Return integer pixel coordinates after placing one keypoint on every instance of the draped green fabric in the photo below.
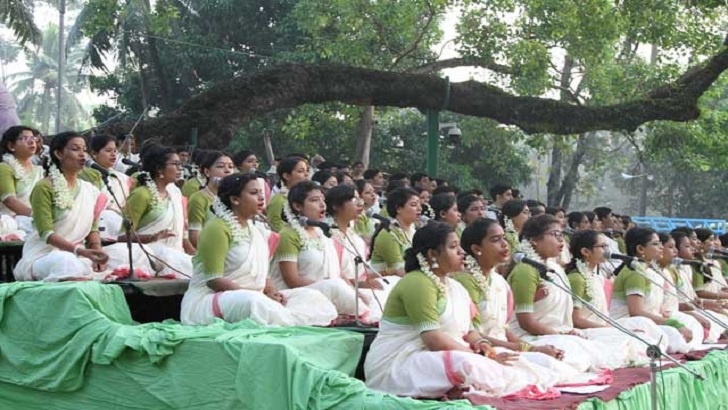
(74, 346)
(677, 389)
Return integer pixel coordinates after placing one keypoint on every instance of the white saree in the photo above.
(555, 311)
(42, 261)
(246, 264)
(318, 261)
(399, 363)
(167, 256)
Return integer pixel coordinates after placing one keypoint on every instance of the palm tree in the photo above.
(18, 15)
(36, 89)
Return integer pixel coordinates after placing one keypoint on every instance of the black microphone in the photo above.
(386, 222)
(717, 251)
(127, 161)
(304, 221)
(520, 257)
(629, 260)
(103, 171)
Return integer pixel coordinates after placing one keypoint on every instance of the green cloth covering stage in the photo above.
(74, 346)
(677, 389)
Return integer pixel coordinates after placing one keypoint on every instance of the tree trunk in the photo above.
(166, 103)
(222, 109)
(45, 109)
(364, 135)
(143, 79)
(552, 185)
(568, 185)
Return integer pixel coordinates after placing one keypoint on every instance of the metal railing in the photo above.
(662, 224)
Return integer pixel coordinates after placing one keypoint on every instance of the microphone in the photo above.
(629, 260)
(103, 171)
(520, 257)
(716, 251)
(304, 221)
(691, 262)
(127, 161)
(383, 220)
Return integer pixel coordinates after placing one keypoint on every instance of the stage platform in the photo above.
(75, 346)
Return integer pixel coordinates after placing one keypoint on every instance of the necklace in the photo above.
(588, 274)
(224, 213)
(19, 170)
(62, 197)
(152, 186)
(482, 281)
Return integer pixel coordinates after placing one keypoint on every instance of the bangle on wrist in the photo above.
(525, 347)
(75, 249)
(484, 340)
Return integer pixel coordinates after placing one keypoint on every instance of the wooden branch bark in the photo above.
(219, 111)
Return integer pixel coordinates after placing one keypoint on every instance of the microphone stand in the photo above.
(125, 218)
(653, 351)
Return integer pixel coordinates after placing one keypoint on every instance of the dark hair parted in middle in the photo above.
(431, 236)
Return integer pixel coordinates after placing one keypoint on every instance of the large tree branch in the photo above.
(418, 40)
(219, 111)
(436, 66)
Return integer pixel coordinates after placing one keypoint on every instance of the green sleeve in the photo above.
(698, 279)
(635, 283)
(469, 283)
(197, 208)
(387, 250)
(621, 245)
(274, 210)
(524, 282)
(7, 182)
(289, 246)
(419, 299)
(190, 187)
(92, 176)
(212, 248)
(512, 239)
(41, 202)
(137, 204)
(474, 291)
(577, 282)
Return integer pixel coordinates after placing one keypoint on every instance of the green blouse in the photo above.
(289, 245)
(139, 207)
(8, 182)
(274, 212)
(198, 210)
(389, 248)
(474, 290)
(512, 238)
(44, 212)
(415, 301)
(212, 248)
(628, 283)
(92, 176)
(524, 281)
(190, 187)
(577, 281)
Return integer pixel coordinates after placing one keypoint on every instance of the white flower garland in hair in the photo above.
(588, 274)
(62, 198)
(224, 213)
(18, 170)
(425, 268)
(474, 268)
(149, 183)
(306, 241)
(509, 224)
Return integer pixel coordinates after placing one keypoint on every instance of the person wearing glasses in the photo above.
(589, 284)
(543, 311)
(639, 290)
(18, 175)
(157, 211)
